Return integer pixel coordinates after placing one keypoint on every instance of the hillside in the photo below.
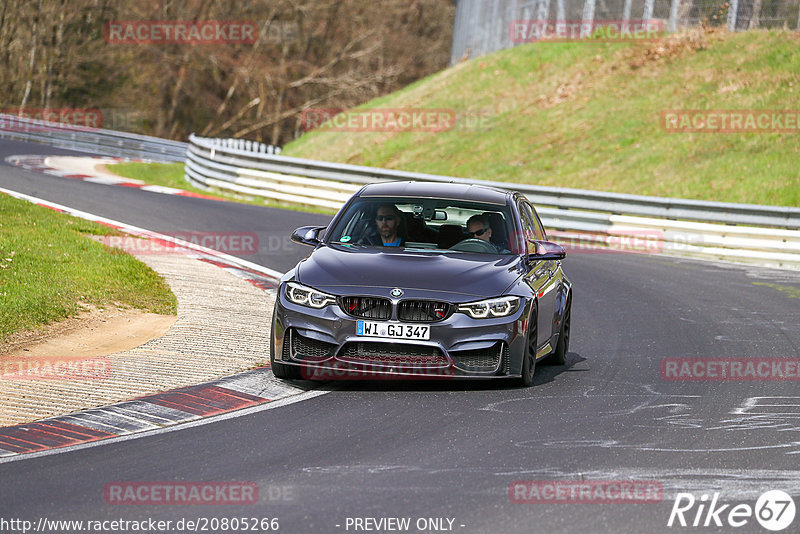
(589, 115)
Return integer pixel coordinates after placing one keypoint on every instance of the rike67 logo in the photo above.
(774, 510)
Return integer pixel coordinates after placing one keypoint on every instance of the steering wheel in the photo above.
(473, 244)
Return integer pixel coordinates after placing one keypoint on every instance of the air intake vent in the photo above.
(366, 307)
(393, 354)
(306, 348)
(423, 311)
(479, 360)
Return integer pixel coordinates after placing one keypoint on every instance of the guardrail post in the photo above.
(673, 15)
(648, 10)
(542, 10)
(588, 18)
(733, 8)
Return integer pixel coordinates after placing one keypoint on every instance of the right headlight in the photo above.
(489, 308)
(308, 296)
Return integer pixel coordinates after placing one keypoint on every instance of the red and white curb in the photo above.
(152, 412)
(41, 164)
(250, 389)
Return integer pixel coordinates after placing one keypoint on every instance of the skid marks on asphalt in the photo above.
(677, 423)
(732, 483)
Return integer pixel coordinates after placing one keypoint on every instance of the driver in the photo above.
(387, 223)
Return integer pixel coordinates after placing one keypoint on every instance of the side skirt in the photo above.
(544, 351)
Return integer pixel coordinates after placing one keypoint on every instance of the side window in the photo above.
(528, 226)
(538, 229)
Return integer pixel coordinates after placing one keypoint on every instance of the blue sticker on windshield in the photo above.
(345, 239)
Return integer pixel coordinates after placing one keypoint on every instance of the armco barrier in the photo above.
(762, 235)
(94, 140)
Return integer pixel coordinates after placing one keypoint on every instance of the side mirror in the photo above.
(307, 235)
(547, 250)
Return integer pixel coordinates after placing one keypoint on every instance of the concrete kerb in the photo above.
(84, 168)
(224, 305)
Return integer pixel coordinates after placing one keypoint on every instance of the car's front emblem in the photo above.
(397, 292)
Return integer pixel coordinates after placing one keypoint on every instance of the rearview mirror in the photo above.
(307, 235)
(547, 250)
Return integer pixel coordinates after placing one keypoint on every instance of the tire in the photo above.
(285, 372)
(529, 359)
(559, 356)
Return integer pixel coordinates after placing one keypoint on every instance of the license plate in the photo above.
(392, 330)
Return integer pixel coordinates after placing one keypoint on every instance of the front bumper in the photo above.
(323, 344)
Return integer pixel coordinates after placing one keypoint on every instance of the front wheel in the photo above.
(529, 358)
(285, 372)
(559, 356)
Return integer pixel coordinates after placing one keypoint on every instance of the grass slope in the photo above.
(49, 267)
(587, 115)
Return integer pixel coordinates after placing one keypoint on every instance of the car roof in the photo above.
(478, 193)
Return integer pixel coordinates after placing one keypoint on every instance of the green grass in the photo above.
(587, 115)
(172, 175)
(166, 174)
(49, 267)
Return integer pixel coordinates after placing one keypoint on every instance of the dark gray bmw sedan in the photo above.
(417, 280)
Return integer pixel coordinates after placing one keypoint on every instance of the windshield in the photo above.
(454, 226)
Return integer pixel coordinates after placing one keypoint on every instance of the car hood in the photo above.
(341, 270)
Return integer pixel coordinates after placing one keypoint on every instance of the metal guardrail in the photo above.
(204, 155)
(94, 140)
(765, 235)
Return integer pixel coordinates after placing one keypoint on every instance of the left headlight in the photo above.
(308, 296)
(484, 309)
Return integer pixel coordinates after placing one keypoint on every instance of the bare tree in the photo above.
(331, 53)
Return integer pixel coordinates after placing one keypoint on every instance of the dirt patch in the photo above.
(102, 168)
(674, 46)
(96, 332)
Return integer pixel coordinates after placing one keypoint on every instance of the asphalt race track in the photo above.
(451, 450)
